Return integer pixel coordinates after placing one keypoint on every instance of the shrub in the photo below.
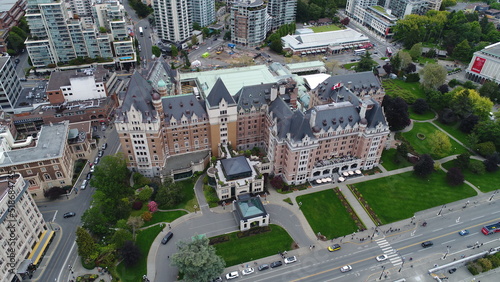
(477, 168)
(455, 176)
(147, 216)
(495, 260)
(152, 206)
(412, 77)
(486, 149)
(485, 264)
(474, 268)
(137, 205)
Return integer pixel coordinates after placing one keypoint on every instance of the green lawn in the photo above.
(425, 116)
(388, 160)
(326, 214)
(400, 196)
(164, 217)
(144, 240)
(424, 60)
(453, 131)
(246, 249)
(409, 91)
(485, 182)
(350, 66)
(422, 146)
(324, 28)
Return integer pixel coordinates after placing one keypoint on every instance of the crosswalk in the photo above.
(392, 254)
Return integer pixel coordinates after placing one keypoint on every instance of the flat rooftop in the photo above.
(50, 145)
(234, 78)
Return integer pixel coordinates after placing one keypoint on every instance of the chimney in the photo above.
(293, 97)
(362, 111)
(274, 92)
(312, 120)
(282, 89)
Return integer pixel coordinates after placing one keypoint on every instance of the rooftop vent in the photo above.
(324, 122)
(169, 106)
(191, 103)
(341, 119)
(334, 121)
(350, 118)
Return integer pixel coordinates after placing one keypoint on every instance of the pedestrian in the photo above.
(169, 227)
(168, 257)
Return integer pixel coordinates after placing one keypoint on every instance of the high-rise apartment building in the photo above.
(59, 35)
(250, 22)
(24, 232)
(281, 12)
(10, 86)
(173, 20)
(203, 12)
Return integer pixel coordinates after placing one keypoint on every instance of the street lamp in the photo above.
(491, 198)
(447, 252)
(439, 213)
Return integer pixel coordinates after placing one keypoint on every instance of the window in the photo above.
(59, 174)
(46, 176)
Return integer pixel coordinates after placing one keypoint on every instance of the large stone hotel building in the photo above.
(171, 124)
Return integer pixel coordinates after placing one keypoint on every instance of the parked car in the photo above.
(276, 264)
(334, 247)
(463, 232)
(92, 168)
(263, 267)
(451, 271)
(345, 268)
(217, 279)
(100, 153)
(247, 271)
(167, 238)
(427, 244)
(290, 259)
(381, 257)
(84, 184)
(96, 161)
(69, 214)
(89, 175)
(104, 146)
(232, 275)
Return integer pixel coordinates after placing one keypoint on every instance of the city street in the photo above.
(63, 252)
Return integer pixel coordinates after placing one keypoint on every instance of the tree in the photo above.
(396, 63)
(194, 40)
(416, 51)
(433, 75)
(198, 260)
(488, 130)
(425, 166)
(156, 51)
(276, 46)
(454, 176)
(366, 63)
(396, 112)
(444, 88)
(486, 149)
(196, 26)
(388, 68)
(135, 222)
(477, 168)
(448, 3)
(130, 253)
(174, 51)
(469, 101)
(54, 193)
(490, 90)
(420, 106)
(146, 216)
(120, 237)
(440, 143)
(406, 59)
(462, 161)
(145, 193)
(277, 182)
(463, 51)
(15, 42)
(345, 21)
(153, 206)
(467, 124)
(86, 245)
(491, 163)
(411, 68)
(94, 221)
(169, 194)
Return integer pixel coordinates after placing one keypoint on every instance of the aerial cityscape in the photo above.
(252, 140)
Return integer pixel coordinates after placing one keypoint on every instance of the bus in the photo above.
(140, 31)
(388, 52)
(490, 229)
(359, 52)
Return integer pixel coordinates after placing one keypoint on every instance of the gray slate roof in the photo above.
(235, 166)
(255, 95)
(179, 105)
(138, 94)
(219, 92)
(354, 81)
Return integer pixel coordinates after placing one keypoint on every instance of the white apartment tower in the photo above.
(282, 12)
(250, 22)
(173, 20)
(203, 12)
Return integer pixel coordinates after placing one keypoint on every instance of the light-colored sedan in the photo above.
(232, 275)
(345, 268)
(290, 260)
(247, 271)
(381, 257)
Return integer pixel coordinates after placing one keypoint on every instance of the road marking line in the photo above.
(389, 252)
(477, 217)
(388, 248)
(448, 241)
(455, 224)
(381, 239)
(392, 255)
(437, 229)
(384, 245)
